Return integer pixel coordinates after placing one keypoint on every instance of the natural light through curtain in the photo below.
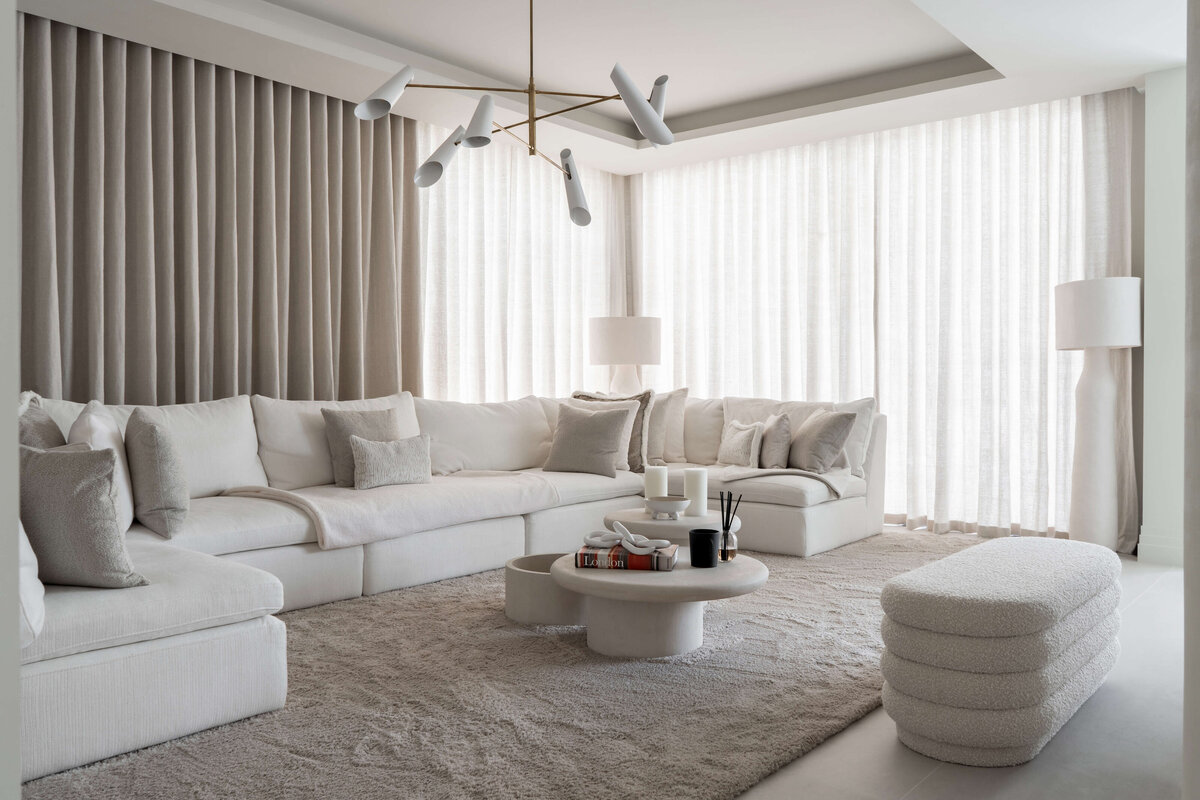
(509, 281)
(917, 265)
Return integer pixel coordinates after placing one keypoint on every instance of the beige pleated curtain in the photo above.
(191, 232)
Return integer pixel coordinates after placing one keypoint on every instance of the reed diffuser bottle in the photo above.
(729, 541)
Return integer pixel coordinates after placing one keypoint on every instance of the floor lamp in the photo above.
(1096, 316)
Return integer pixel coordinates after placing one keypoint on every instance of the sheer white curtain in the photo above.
(917, 265)
(509, 281)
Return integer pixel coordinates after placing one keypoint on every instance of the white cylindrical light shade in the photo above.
(656, 482)
(695, 489)
(648, 122)
(576, 202)
(1099, 312)
(625, 340)
(479, 131)
(431, 171)
(658, 96)
(381, 103)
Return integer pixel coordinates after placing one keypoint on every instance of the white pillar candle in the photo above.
(695, 488)
(656, 482)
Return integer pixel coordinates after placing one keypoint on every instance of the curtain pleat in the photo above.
(509, 281)
(190, 232)
(917, 265)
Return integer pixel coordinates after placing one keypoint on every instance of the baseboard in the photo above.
(1161, 546)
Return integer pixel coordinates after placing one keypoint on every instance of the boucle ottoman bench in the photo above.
(990, 651)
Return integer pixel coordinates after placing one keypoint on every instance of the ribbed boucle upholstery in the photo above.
(999, 654)
(1003, 690)
(1006, 587)
(991, 650)
(1011, 727)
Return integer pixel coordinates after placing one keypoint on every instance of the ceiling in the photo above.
(743, 76)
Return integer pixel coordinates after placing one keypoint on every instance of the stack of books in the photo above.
(661, 560)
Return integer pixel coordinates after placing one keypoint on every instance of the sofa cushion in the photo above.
(664, 436)
(36, 428)
(30, 591)
(640, 430)
(291, 435)
(96, 428)
(161, 496)
(484, 436)
(587, 441)
(220, 525)
(69, 509)
(704, 421)
(187, 592)
(860, 435)
(381, 425)
(582, 487)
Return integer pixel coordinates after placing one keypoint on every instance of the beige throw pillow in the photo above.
(630, 407)
(587, 441)
(69, 511)
(160, 488)
(776, 442)
(390, 463)
(383, 425)
(96, 428)
(37, 429)
(819, 442)
(641, 422)
(740, 444)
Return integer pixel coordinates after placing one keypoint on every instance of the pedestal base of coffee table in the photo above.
(629, 629)
(641, 614)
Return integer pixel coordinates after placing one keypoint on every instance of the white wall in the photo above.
(1165, 315)
(1191, 669)
(9, 376)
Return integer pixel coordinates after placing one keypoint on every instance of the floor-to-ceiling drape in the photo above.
(917, 265)
(191, 232)
(510, 282)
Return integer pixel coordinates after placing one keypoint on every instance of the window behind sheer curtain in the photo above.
(509, 281)
(917, 265)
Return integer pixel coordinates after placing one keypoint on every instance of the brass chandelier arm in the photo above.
(467, 88)
(578, 94)
(549, 160)
(555, 113)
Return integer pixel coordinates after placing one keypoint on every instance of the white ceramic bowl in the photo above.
(672, 504)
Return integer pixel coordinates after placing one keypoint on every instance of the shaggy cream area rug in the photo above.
(431, 692)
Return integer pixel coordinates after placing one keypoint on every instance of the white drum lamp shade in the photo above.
(626, 343)
(1096, 316)
(1101, 312)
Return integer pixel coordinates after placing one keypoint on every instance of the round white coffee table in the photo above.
(646, 614)
(638, 520)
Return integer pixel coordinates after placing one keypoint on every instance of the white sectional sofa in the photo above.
(107, 674)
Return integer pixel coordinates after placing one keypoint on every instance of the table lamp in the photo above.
(1096, 316)
(625, 343)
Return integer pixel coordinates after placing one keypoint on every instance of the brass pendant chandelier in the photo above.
(647, 115)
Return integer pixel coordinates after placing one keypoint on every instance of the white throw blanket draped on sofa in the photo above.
(840, 481)
(348, 517)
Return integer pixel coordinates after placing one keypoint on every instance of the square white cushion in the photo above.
(217, 444)
(216, 439)
(703, 424)
(291, 435)
(664, 437)
(97, 428)
(30, 591)
(632, 407)
(485, 436)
